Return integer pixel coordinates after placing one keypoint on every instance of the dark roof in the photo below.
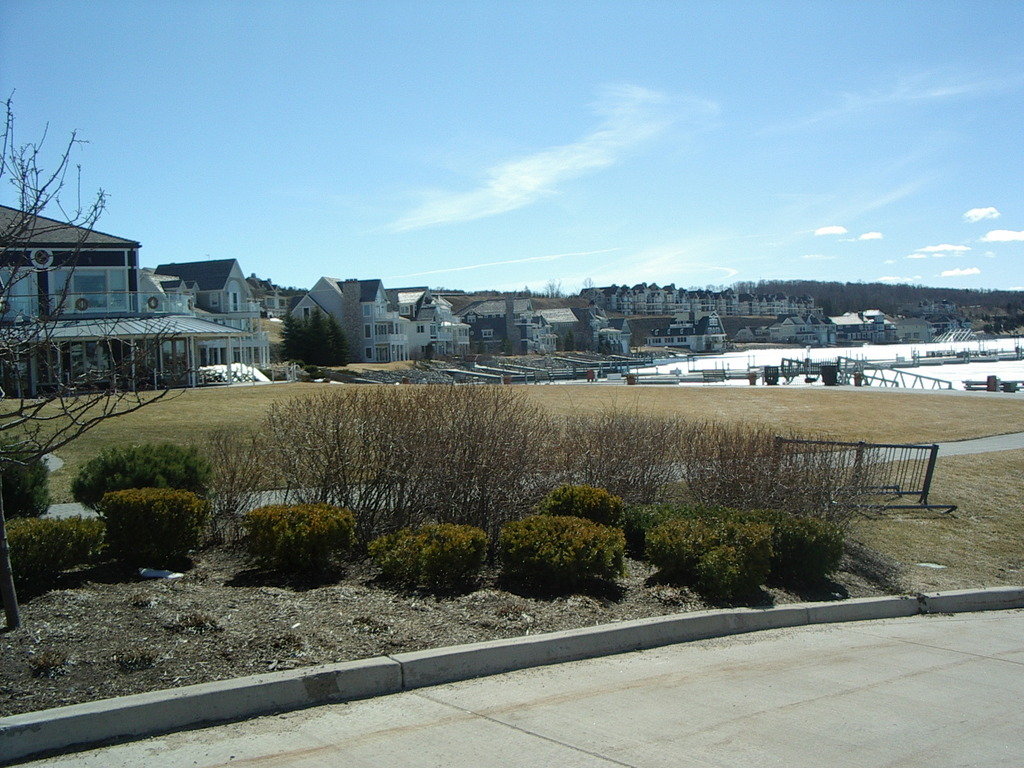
(368, 290)
(41, 231)
(496, 307)
(208, 275)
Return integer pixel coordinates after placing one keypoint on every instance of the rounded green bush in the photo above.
(299, 538)
(804, 549)
(439, 557)
(42, 549)
(26, 486)
(141, 466)
(560, 552)
(722, 558)
(638, 520)
(154, 527)
(595, 504)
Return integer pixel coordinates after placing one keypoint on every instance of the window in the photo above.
(486, 333)
(367, 331)
(419, 329)
(101, 288)
(305, 313)
(368, 353)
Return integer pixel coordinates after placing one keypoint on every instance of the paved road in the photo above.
(924, 691)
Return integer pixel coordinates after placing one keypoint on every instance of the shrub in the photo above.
(638, 520)
(42, 549)
(724, 559)
(301, 538)
(585, 501)
(26, 486)
(141, 466)
(439, 557)
(804, 549)
(155, 527)
(559, 552)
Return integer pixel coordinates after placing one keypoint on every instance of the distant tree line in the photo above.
(836, 298)
(315, 340)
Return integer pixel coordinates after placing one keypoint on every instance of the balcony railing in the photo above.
(96, 304)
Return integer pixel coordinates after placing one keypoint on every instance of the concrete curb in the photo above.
(34, 734)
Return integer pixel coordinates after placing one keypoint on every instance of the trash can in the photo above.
(506, 379)
(631, 378)
(829, 374)
(858, 379)
(591, 375)
(992, 383)
(771, 375)
(752, 377)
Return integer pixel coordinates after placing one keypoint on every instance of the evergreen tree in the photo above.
(315, 340)
(336, 346)
(293, 338)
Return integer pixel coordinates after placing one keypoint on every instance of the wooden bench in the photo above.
(716, 374)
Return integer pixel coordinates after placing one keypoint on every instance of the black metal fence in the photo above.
(894, 472)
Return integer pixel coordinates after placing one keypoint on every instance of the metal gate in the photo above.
(897, 471)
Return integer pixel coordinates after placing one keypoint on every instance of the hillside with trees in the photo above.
(836, 298)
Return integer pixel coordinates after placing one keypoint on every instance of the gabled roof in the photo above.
(496, 307)
(40, 231)
(368, 290)
(207, 275)
(153, 281)
(558, 315)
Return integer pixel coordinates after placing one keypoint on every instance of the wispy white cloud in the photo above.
(1003, 236)
(918, 89)
(917, 256)
(961, 272)
(944, 248)
(694, 261)
(818, 257)
(895, 279)
(630, 116)
(833, 229)
(871, 236)
(978, 214)
(525, 260)
(889, 261)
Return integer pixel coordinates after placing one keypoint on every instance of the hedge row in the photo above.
(727, 554)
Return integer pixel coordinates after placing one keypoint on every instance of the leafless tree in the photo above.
(48, 200)
(553, 289)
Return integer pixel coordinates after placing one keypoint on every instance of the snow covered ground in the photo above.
(1012, 370)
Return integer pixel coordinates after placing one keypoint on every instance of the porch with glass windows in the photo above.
(110, 354)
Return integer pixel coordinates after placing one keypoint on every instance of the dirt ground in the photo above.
(109, 633)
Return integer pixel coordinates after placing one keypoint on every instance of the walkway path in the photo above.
(1011, 442)
(930, 691)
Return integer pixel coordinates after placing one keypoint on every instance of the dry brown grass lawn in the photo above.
(981, 544)
(190, 415)
(870, 414)
(398, 365)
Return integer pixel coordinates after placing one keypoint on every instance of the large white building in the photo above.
(383, 326)
(77, 312)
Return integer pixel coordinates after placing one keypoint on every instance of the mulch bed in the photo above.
(106, 632)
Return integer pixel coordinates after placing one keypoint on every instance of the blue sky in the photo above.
(473, 145)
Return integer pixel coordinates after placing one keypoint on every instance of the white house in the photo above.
(373, 328)
(220, 294)
(808, 329)
(698, 333)
(87, 317)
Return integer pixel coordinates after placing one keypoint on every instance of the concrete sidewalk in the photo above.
(922, 691)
